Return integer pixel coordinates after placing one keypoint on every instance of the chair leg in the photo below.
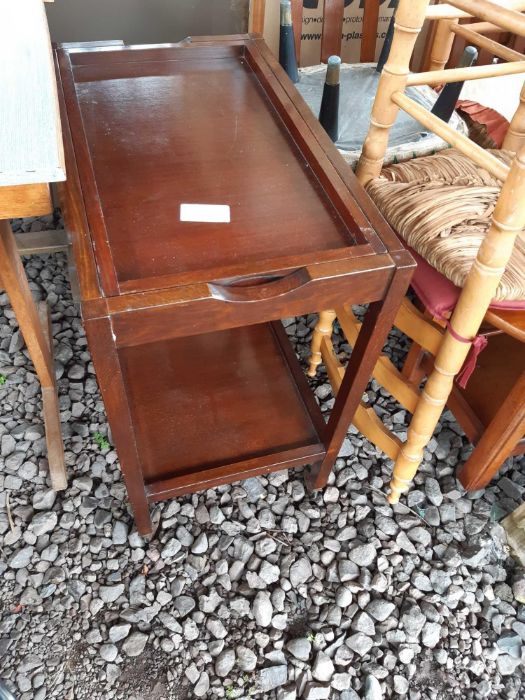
(38, 341)
(323, 327)
(365, 418)
(497, 442)
(412, 370)
(385, 372)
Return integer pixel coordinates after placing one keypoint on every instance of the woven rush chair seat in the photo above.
(359, 82)
(442, 205)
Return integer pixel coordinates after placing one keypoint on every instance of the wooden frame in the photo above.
(508, 220)
(483, 42)
(448, 27)
(24, 200)
(202, 314)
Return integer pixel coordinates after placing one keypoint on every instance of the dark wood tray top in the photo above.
(200, 383)
(200, 118)
(156, 128)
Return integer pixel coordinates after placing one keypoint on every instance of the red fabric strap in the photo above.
(457, 336)
(477, 346)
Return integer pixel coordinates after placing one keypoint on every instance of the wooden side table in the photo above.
(205, 203)
(31, 156)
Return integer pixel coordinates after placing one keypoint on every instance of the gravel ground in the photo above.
(253, 590)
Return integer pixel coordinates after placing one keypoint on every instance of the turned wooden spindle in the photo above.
(454, 75)
(515, 136)
(410, 16)
(322, 328)
(484, 42)
(506, 18)
(442, 44)
(479, 290)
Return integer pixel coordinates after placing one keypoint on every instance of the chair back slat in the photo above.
(297, 19)
(370, 22)
(331, 39)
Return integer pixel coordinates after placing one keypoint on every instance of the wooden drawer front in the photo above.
(195, 309)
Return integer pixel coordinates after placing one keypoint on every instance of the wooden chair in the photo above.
(448, 343)
(32, 156)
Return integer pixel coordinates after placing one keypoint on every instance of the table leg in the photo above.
(111, 384)
(55, 445)
(374, 331)
(35, 329)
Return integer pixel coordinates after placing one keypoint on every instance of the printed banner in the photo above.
(351, 30)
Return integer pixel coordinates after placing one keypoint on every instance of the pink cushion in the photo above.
(439, 295)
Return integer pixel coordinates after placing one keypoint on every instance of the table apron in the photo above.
(182, 318)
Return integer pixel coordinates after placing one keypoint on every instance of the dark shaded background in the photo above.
(144, 21)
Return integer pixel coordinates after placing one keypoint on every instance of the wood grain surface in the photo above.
(200, 382)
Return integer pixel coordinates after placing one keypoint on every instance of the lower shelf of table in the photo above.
(217, 407)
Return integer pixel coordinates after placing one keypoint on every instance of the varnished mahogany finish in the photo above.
(200, 383)
(253, 388)
(498, 369)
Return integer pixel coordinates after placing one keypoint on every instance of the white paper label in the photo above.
(209, 213)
